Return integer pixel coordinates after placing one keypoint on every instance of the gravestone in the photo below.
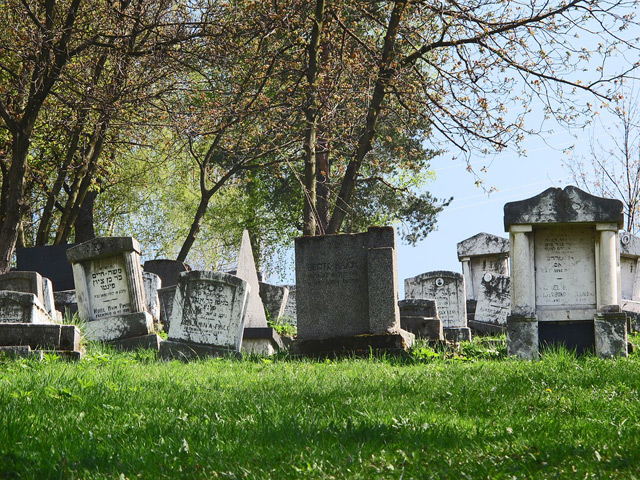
(420, 317)
(289, 315)
(274, 299)
(26, 322)
(152, 284)
(565, 286)
(347, 294)
(258, 336)
(630, 277)
(110, 292)
(65, 301)
(34, 283)
(448, 290)
(494, 304)
(50, 261)
(208, 315)
(168, 271)
(480, 254)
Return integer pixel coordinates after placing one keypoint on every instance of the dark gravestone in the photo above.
(49, 261)
(167, 270)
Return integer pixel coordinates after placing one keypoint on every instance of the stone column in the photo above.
(610, 325)
(522, 324)
(466, 272)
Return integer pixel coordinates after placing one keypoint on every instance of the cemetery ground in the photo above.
(471, 413)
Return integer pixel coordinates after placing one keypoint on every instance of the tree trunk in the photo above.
(195, 228)
(323, 170)
(84, 227)
(365, 141)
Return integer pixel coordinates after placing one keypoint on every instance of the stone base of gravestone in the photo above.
(359, 345)
(632, 309)
(63, 340)
(165, 297)
(522, 337)
(21, 351)
(574, 335)
(471, 310)
(610, 335)
(119, 327)
(31, 282)
(20, 307)
(261, 341)
(170, 350)
(423, 327)
(143, 342)
(65, 301)
(486, 328)
(457, 334)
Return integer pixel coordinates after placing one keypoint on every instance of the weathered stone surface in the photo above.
(19, 307)
(274, 299)
(167, 270)
(246, 270)
(611, 335)
(185, 351)
(418, 307)
(165, 297)
(522, 337)
(457, 334)
(346, 285)
(359, 345)
(209, 308)
(50, 261)
(290, 314)
(423, 327)
(261, 341)
(480, 254)
(629, 245)
(152, 283)
(53, 337)
(447, 289)
(65, 301)
(143, 342)
(102, 247)
(21, 351)
(494, 300)
(481, 245)
(568, 205)
(31, 282)
(119, 326)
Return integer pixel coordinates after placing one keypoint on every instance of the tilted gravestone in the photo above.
(347, 294)
(565, 273)
(50, 261)
(152, 284)
(420, 317)
(27, 317)
(290, 312)
(110, 292)
(448, 290)
(274, 299)
(494, 304)
(168, 271)
(258, 336)
(630, 277)
(208, 315)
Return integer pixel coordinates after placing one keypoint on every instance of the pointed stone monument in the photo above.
(258, 336)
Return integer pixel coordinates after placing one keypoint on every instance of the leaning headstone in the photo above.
(494, 304)
(347, 294)
(152, 284)
(168, 271)
(420, 317)
(289, 315)
(208, 316)
(448, 290)
(258, 336)
(50, 261)
(34, 283)
(274, 299)
(630, 277)
(565, 273)
(110, 292)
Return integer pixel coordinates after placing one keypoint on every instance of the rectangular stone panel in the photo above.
(565, 276)
(108, 287)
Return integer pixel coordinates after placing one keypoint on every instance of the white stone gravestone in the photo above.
(110, 292)
(208, 315)
(494, 304)
(347, 294)
(565, 273)
(630, 277)
(480, 254)
(448, 290)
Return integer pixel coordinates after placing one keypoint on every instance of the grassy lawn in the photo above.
(435, 415)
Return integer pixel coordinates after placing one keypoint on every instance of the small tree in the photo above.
(613, 169)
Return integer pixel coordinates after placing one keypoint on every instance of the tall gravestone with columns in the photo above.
(565, 273)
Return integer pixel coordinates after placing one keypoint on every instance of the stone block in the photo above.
(418, 307)
(152, 283)
(274, 298)
(65, 301)
(457, 334)
(522, 337)
(611, 335)
(167, 270)
(53, 337)
(358, 345)
(262, 341)
(19, 307)
(165, 297)
(143, 342)
(50, 261)
(119, 326)
(494, 300)
(185, 351)
(423, 327)
(21, 351)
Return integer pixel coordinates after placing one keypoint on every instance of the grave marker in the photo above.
(494, 304)
(420, 317)
(565, 273)
(630, 277)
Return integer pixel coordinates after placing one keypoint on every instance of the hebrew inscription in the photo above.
(565, 267)
(108, 287)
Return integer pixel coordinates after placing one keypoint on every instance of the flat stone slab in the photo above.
(486, 328)
(267, 333)
(55, 337)
(423, 327)
(143, 342)
(121, 326)
(418, 307)
(359, 345)
(20, 307)
(482, 244)
(457, 334)
(20, 351)
(50, 261)
(171, 350)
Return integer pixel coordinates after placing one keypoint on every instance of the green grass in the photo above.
(467, 413)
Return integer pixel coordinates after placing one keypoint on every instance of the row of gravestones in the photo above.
(565, 285)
